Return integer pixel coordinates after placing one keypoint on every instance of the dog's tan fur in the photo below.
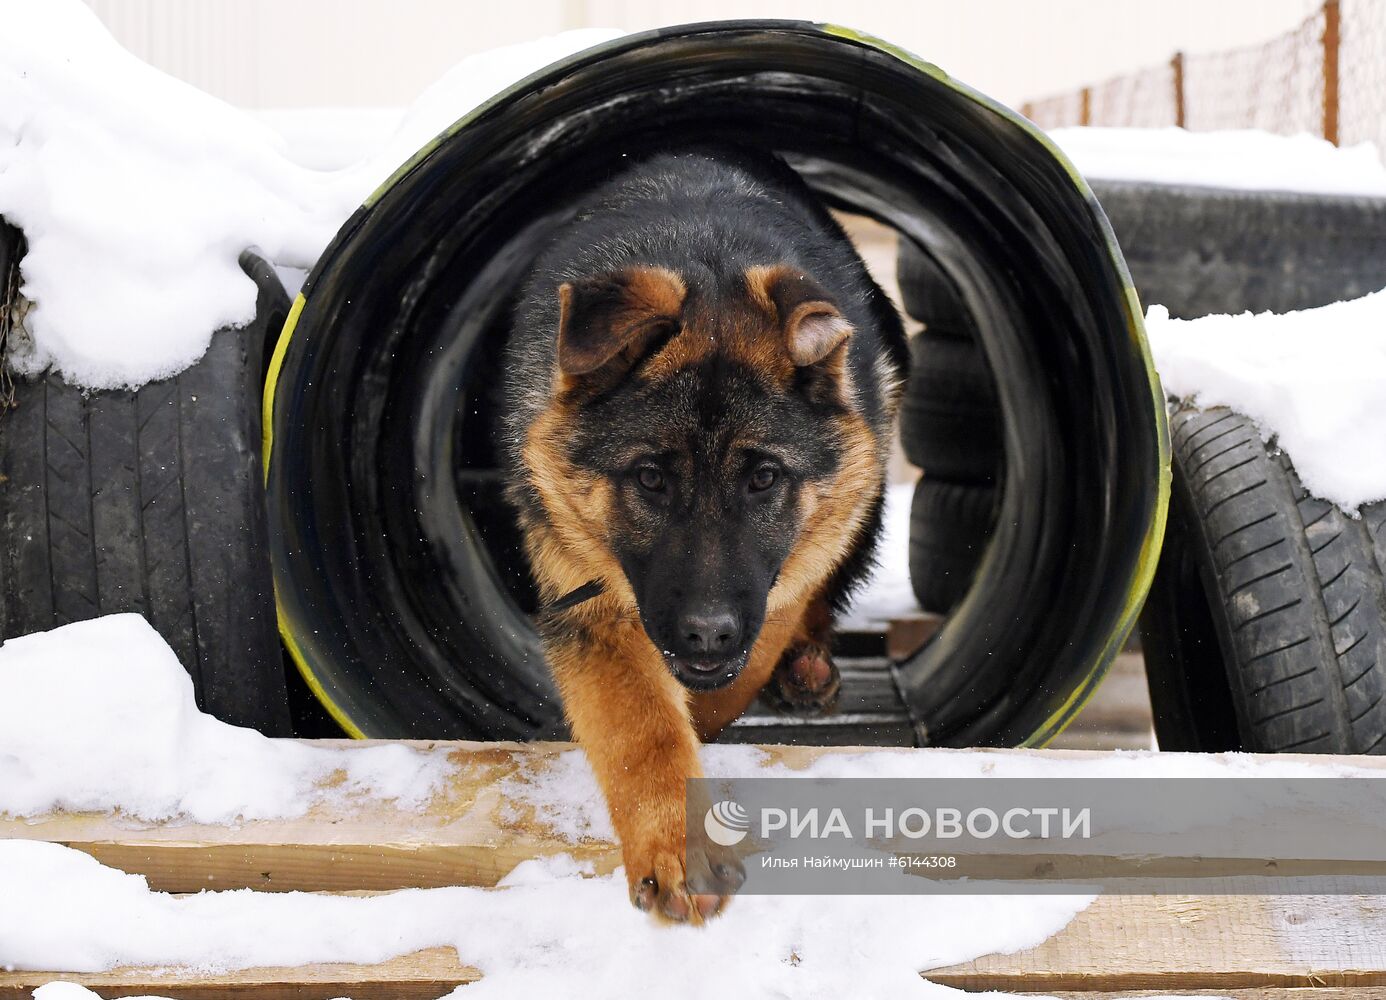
(639, 726)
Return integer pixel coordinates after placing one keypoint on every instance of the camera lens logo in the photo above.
(726, 823)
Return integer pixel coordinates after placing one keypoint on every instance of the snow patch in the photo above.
(99, 716)
(138, 192)
(1313, 380)
(549, 931)
(887, 593)
(1243, 160)
(331, 138)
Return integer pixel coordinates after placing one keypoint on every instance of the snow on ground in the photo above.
(71, 991)
(548, 930)
(333, 138)
(1246, 160)
(100, 715)
(137, 192)
(1314, 380)
(887, 594)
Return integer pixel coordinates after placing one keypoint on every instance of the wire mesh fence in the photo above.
(1326, 77)
(1141, 100)
(1277, 86)
(1362, 74)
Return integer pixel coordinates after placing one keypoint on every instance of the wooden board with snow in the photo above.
(501, 863)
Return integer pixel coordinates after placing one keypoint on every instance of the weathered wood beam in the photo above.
(473, 833)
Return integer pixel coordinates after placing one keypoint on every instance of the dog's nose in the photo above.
(710, 632)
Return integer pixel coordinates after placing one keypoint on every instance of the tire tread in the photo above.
(1301, 588)
(149, 501)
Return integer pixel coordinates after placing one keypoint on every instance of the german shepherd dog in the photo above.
(700, 385)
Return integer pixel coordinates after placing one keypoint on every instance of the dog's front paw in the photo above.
(663, 885)
(806, 681)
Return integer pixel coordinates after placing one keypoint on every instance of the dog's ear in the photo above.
(813, 327)
(605, 315)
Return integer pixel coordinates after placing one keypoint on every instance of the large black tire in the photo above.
(930, 296)
(1209, 250)
(950, 524)
(1266, 627)
(950, 416)
(392, 593)
(150, 501)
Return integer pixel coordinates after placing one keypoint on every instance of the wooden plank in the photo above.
(1197, 943)
(1268, 947)
(361, 982)
(1267, 993)
(1119, 946)
(906, 635)
(473, 833)
(424, 975)
(468, 835)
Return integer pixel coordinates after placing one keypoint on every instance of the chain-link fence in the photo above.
(1362, 74)
(1326, 77)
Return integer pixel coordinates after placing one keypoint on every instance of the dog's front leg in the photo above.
(631, 718)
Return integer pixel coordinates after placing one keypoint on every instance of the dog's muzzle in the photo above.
(706, 675)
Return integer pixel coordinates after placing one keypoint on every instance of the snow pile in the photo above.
(137, 192)
(547, 931)
(1244, 160)
(331, 138)
(1314, 380)
(99, 715)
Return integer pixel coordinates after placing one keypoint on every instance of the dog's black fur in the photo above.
(704, 542)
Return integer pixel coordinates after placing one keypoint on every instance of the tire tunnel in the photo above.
(402, 592)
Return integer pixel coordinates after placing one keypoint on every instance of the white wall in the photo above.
(287, 53)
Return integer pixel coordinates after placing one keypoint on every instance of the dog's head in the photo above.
(711, 431)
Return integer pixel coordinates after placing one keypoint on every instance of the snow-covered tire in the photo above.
(1266, 627)
(1207, 250)
(950, 524)
(150, 501)
(950, 417)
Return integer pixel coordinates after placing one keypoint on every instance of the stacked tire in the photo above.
(1265, 629)
(150, 501)
(950, 426)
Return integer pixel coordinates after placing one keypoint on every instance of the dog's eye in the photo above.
(763, 478)
(650, 479)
